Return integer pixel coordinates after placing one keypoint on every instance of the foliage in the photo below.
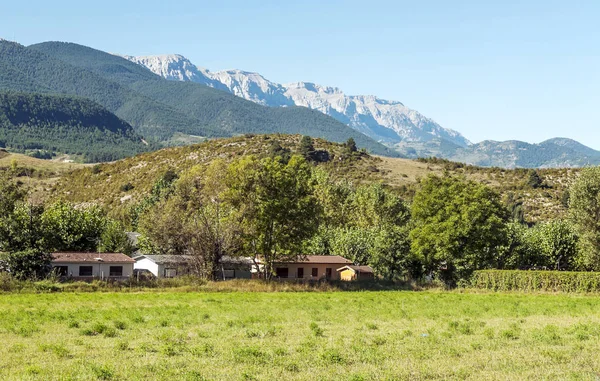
(71, 228)
(27, 264)
(194, 220)
(553, 281)
(114, 239)
(306, 147)
(584, 209)
(65, 124)
(458, 226)
(276, 206)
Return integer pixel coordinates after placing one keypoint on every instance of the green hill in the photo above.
(214, 112)
(63, 124)
(106, 183)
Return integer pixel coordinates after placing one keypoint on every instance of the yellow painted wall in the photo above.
(347, 275)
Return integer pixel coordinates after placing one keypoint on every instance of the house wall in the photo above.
(321, 270)
(146, 264)
(99, 269)
(347, 275)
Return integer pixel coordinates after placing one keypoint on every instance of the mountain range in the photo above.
(156, 108)
(167, 100)
(389, 122)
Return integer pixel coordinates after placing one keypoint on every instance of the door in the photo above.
(301, 272)
(328, 272)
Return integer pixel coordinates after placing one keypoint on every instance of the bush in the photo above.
(28, 264)
(520, 280)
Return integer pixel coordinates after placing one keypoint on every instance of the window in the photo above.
(85, 271)
(115, 271)
(301, 272)
(282, 272)
(170, 273)
(328, 272)
(61, 270)
(315, 272)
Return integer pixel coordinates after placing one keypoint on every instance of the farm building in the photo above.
(312, 267)
(350, 272)
(92, 265)
(170, 266)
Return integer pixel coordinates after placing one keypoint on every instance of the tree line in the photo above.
(281, 206)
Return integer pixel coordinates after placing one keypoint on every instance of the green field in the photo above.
(391, 335)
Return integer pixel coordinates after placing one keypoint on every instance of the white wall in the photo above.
(99, 269)
(146, 264)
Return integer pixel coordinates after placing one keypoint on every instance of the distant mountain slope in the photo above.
(216, 111)
(65, 124)
(387, 121)
(553, 153)
(32, 70)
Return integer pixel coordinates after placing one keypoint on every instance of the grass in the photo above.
(387, 335)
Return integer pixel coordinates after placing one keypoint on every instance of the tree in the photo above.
(276, 206)
(557, 241)
(351, 145)
(459, 226)
(194, 221)
(72, 228)
(114, 239)
(306, 147)
(20, 226)
(391, 257)
(27, 264)
(584, 210)
(534, 180)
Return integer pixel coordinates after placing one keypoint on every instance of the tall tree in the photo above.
(459, 226)
(194, 221)
(584, 209)
(278, 210)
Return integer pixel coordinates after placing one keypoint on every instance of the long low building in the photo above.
(170, 266)
(312, 267)
(86, 266)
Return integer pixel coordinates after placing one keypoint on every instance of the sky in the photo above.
(501, 70)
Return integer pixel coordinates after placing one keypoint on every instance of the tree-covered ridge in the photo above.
(67, 125)
(27, 69)
(209, 112)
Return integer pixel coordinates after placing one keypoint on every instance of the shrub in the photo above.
(28, 264)
(520, 280)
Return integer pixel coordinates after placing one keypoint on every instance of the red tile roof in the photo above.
(73, 257)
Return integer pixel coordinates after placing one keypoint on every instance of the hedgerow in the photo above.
(534, 280)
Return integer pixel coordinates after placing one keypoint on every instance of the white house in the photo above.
(169, 266)
(92, 265)
(164, 266)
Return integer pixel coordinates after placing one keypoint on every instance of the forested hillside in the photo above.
(159, 108)
(62, 124)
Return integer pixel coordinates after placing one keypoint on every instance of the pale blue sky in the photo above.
(527, 70)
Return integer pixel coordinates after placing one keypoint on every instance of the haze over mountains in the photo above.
(159, 101)
(389, 122)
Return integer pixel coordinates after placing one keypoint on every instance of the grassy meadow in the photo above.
(388, 335)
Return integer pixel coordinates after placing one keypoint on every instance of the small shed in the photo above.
(351, 272)
(92, 265)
